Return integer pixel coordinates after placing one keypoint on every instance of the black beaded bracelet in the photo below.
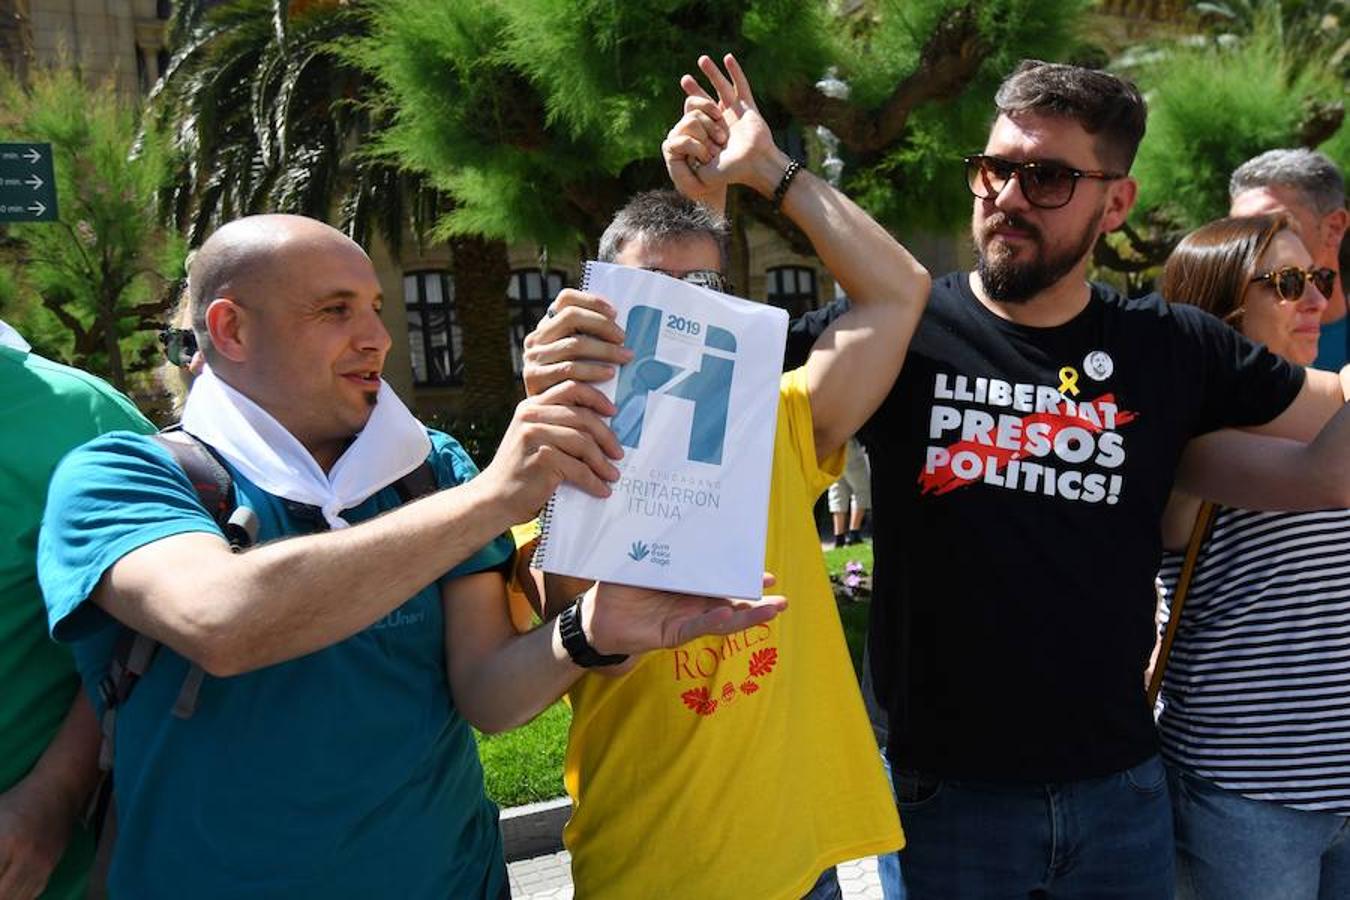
(793, 167)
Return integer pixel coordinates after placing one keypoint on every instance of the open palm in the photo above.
(627, 619)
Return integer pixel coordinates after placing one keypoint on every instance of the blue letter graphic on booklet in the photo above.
(709, 388)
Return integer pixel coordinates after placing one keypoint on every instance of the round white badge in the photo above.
(1098, 365)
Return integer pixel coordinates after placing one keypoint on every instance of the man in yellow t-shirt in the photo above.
(740, 766)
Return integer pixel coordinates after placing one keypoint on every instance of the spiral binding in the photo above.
(546, 515)
(545, 520)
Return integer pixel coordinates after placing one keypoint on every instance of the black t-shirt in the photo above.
(1019, 477)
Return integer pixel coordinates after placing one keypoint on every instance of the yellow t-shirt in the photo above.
(522, 594)
(739, 766)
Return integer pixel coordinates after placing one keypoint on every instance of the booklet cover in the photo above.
(697, 410)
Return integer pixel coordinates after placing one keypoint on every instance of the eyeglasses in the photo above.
(1047, 185)
(1289, 281)
(708, 278)
(180, 345)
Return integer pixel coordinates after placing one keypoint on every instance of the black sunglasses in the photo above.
(180, 345)
(1047, 185)
(1289, 281)
(707, 278)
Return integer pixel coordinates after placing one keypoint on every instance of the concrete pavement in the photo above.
(549, 878)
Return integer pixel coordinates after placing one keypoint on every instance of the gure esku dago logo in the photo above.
(639, 551)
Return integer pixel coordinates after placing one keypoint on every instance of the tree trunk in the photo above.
(107, 310)
(482, 271)
(737, 219)
(16, 37)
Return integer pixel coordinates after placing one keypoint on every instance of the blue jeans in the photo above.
(1104, 838)
(826, 887)
(1230, 847)
(888, 864)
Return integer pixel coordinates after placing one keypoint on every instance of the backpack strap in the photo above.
(215, 489)
(209, 477)
(134, 652)
(418, 483)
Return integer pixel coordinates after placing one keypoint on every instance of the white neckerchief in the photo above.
(392, 444)
(12, 339)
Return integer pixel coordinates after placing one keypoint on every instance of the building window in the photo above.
(793, 288)
(435, 341)
(528, 296)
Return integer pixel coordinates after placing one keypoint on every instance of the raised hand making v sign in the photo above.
(723, 141)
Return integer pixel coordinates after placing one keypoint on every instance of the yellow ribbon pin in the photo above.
(1068, 380)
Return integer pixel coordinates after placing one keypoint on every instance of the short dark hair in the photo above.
(661, 216)
(1106, 106)
(1310, 173)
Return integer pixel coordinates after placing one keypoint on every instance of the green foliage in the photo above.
(267, 115)
(1214, 107)
(90, 288)
(539, 117)
(478, 433)
(917, 182)
(1318, 29)
(1337, 147)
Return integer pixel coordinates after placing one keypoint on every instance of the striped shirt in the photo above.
(1257, 693)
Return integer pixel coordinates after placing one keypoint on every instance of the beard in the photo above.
(1008, 281)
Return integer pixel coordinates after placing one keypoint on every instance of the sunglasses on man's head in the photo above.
(707, 278)
(1048, 185)
(180, 344)
(1288, 282)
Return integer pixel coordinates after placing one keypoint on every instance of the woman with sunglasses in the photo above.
(1255, 723)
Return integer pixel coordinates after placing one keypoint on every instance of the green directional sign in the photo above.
(27, 183)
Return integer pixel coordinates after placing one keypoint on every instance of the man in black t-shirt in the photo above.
(1021, 463)
(1020, 468)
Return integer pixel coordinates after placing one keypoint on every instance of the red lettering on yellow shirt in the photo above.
(701, 699)
(703, 662)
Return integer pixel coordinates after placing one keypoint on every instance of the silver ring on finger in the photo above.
(694, 164)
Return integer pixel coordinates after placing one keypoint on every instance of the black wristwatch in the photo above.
(578, 647)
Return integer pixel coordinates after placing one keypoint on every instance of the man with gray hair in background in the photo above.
(1309, 187)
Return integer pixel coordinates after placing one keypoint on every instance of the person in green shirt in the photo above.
(48, 735)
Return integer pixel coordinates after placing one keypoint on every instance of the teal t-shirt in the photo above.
(46, 410)
(1333, 346)
(346, 773)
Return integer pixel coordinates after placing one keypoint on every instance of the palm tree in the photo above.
(265, 115)
(268, 114)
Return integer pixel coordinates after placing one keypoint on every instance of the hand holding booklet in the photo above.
(697, 410)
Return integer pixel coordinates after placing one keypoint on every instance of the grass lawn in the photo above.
(853, 614)
(525, 765)
(835, 558)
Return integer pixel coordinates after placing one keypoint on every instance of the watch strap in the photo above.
(574, 640)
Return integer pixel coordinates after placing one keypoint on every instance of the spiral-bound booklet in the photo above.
(697, 409)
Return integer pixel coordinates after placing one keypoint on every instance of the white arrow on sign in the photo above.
(37, 207)
(34, 182)
(32, 155)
